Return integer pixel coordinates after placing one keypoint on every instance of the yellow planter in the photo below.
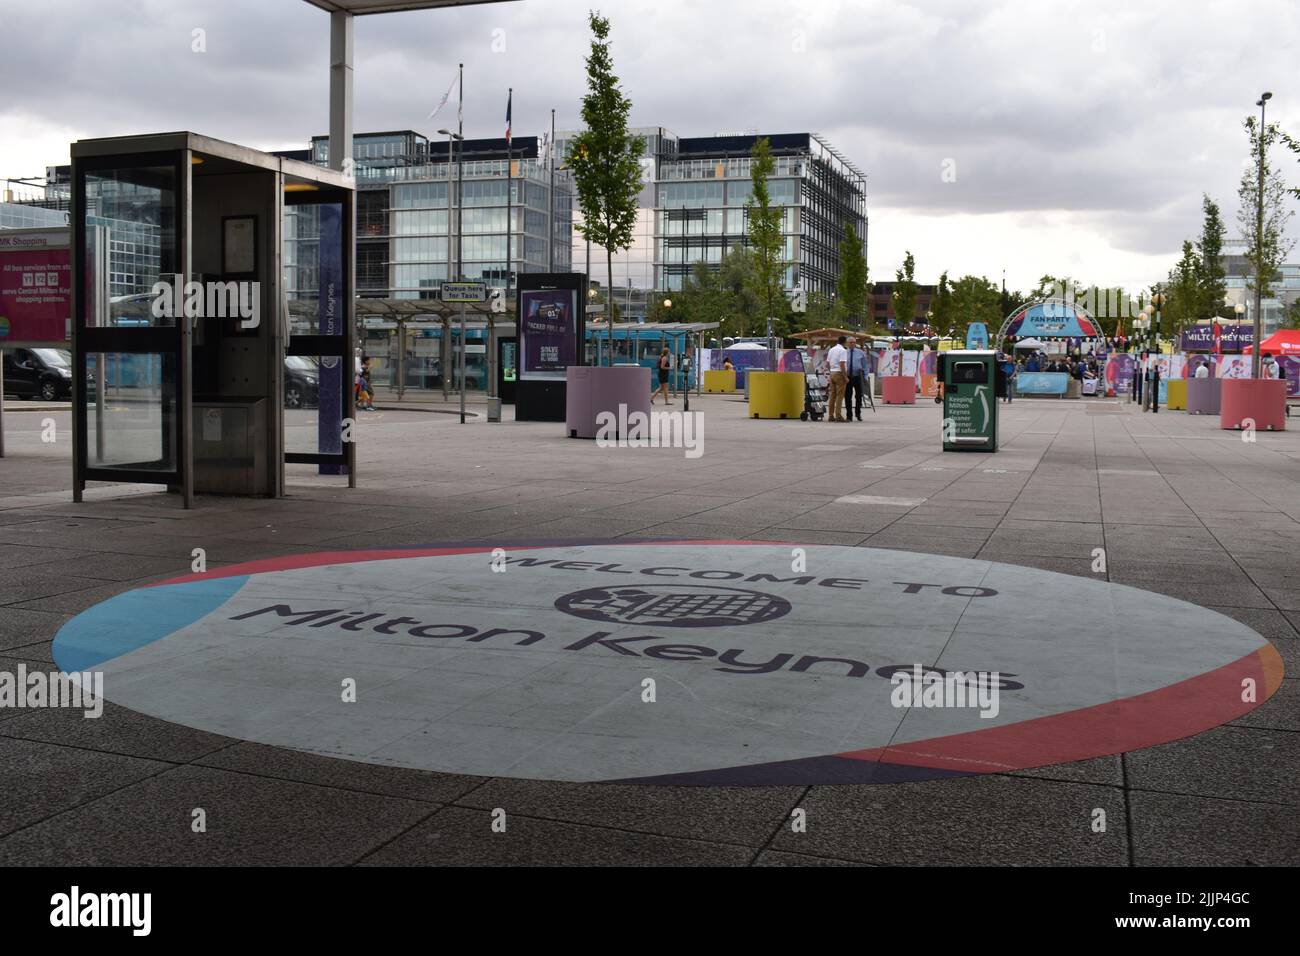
(720, 380)
(1177, 394)
(775, 394)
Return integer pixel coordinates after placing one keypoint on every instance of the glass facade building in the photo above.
(406, 226)
(1284, 291)
(693, 209)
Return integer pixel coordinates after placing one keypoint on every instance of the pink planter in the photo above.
(591, 390)
(898, 389)
(1261, 400)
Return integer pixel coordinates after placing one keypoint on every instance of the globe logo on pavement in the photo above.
(674, 605)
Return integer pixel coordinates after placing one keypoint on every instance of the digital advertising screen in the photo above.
(548, 333)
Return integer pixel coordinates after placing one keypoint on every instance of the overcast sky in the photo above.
(1081, 134)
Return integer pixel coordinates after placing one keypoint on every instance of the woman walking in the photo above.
(665, 363)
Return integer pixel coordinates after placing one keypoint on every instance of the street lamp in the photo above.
(1157, 302)
(686, 392)
(1259, 242)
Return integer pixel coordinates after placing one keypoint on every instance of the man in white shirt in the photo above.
(1203, 370)
(838, 360)
(1269, 368)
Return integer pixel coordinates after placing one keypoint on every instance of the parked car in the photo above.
(301, 382)
(45, 374)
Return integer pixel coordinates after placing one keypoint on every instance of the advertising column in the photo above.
(550, 336)
(334, 371)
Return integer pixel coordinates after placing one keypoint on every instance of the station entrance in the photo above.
(187, 255)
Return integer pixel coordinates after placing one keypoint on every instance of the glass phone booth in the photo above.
(213, 315)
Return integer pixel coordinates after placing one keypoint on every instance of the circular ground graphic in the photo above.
(673, 662)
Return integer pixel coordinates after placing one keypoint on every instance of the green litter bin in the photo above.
(970, 404)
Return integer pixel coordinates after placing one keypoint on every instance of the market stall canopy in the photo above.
(1050, 319)
(1281, 342)
(1031, 344)
(824, 335)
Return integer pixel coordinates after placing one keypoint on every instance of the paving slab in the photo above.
(458, 836)
(249, 820)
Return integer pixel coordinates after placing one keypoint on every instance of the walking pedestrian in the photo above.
(665, 366)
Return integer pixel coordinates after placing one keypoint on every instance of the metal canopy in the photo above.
(653, 327)
(362, 7)
(207, 147)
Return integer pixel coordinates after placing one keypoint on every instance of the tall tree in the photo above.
(852, 285)
(1183, 293)
(905, 293)
(742, 304)
(605, 157)
(941, 307)
(1266, 241)
(976, 299)
(1211, 278)
(766, 239)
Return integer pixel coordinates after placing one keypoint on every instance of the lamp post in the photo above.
(681, 372)
(452, 139)
(591, 300)
(1258, 330)
(1157, 301)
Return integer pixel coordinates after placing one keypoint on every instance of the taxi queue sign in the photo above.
(463, 292)
(970, 406)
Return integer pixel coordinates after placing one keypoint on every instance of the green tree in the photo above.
(605, 158)
(1183, 293)
(976, 299)
(852, 285)
(1211, 278)
(1266, 242)
(766, 239)
(742, 306)
(941, 306)
(1291, 319)
(905, 293)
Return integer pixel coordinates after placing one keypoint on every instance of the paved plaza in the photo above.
(1096, 497)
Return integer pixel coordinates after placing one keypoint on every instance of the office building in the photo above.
(405, 237)
(692, 209)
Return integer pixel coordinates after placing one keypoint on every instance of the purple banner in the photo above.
(742, 360)
(1290, 368)
(1200, 338)
(1119, 373)
(548, 333)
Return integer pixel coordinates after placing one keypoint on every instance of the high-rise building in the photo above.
(405, 238)
(692, 209)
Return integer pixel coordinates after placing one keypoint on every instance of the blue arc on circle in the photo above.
(133, 619)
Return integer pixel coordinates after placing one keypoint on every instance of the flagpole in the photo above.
(460, 171)
(509, 186)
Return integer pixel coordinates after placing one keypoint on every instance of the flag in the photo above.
(1218, 341)
(509, 100)
(544, 151)
(445, 96)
